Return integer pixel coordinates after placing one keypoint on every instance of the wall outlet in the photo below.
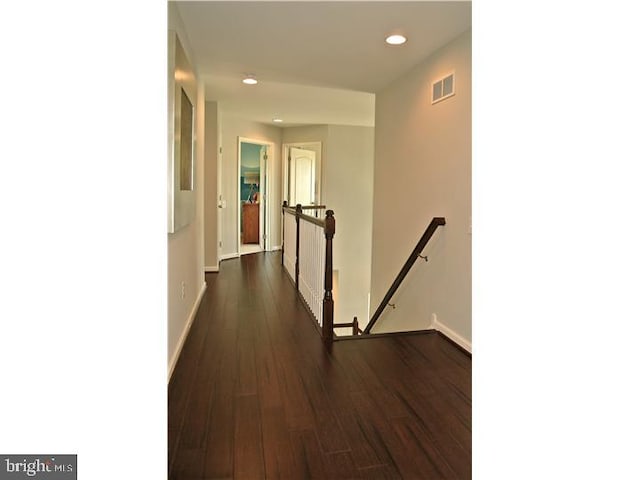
(182, 290)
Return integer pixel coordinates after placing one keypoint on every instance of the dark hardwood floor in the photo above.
(256, 395)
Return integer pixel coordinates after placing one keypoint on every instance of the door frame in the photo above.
(266, 176)
(316, 147)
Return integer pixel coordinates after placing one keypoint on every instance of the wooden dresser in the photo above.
(250, 223)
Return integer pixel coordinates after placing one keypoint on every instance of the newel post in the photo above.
(284, 205)
(298, 213)
(327, 303)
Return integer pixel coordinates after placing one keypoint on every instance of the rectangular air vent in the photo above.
(442, 88)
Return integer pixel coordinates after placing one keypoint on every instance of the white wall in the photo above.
(212, 142)
(423, 170)
(185, 248)
(231, 128)
(347, 188)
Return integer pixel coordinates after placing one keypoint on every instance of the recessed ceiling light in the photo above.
(396, 39)
(250, 79)
(277, 120)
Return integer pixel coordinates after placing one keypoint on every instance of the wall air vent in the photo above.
(442, 88)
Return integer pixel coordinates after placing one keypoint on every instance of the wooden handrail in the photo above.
(426, 236)
(304, 207)
(313, 207)
(298, 213)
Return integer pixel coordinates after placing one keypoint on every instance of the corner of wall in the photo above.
(450, 334)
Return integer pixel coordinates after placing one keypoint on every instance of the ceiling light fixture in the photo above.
(277, 120)
(396, 39)
(250, 79)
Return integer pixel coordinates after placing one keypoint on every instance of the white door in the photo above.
(263, 196)
(302, 167)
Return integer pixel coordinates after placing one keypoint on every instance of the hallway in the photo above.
(255, 394)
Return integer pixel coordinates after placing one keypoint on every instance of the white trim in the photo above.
(276, 248)
(453, 336)
(227, 256)
(220, 212)
(212, 269)
(185, 331)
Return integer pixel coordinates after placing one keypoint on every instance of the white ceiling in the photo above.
(316, 62)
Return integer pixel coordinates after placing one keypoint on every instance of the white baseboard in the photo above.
(229, 255)
(185, 332)
(212, 269)
(452, 335)
(277, 247)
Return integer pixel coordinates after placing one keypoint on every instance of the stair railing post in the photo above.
(284, 205)
(298, 213)
(327, 303)
(354, 328)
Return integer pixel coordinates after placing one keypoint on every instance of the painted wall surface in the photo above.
(423, 170)
(212, 136)
(231, 128)
(347, 188)
(185, 248)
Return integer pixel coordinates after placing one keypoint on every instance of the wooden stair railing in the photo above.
(426, 236)
(328, 224)
(355, 329)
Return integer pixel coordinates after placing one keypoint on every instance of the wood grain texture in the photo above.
(251, 223)
(256, 395)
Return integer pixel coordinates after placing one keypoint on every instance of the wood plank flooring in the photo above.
(256, 395)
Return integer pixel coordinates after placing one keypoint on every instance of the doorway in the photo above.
(253, 184)
(302, 173)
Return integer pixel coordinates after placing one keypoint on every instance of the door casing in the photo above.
(266, 177)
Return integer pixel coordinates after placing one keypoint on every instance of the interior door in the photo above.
(302, 167)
